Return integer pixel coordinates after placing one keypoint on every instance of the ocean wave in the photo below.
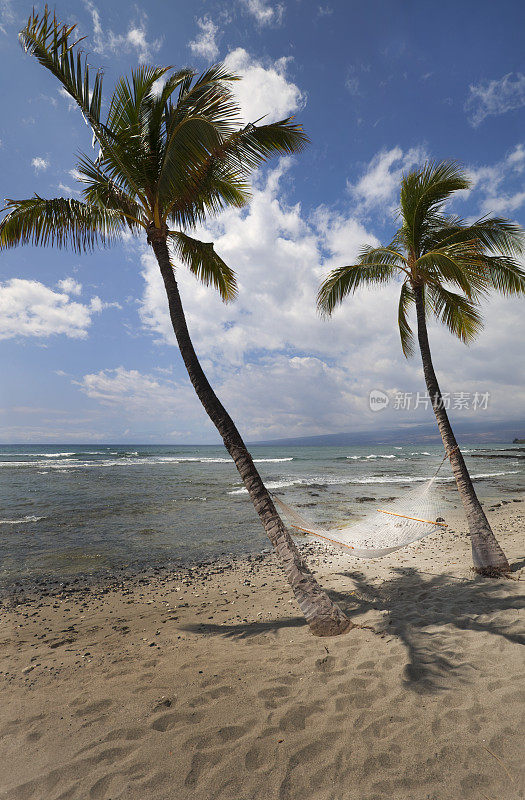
(129, 459)
(271, 460)
(371, 456)
(270, 485)
(200, 459)
(28, 518)
(376, 479)
(56, 455)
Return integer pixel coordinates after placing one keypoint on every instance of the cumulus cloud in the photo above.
(379, 185)
(70, 286)
(134, 397)
(283, 371)
(498, 188)
(264, 90)
(31, 309)
(264, 12)
(495, 97)
(135, 40)
(205, 44)
(39, 164)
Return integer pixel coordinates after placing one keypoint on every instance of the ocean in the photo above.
(70, 510)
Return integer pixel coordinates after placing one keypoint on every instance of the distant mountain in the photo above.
(421, 433)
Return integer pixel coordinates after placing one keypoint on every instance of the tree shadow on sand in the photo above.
(424, 611)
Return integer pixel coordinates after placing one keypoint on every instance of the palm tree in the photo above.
(170, 151)
(431, 254)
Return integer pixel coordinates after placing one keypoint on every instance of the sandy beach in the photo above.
(207, 684)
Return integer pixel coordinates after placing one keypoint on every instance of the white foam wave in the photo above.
(271, 460)
(271, 485)
(379, 479)
(371, 456)
(28, 518)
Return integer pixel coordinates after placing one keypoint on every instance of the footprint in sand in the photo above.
(168, 721)
(296, 716)
(273, 696)
(93, 708)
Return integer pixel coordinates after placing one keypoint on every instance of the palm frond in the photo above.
(405, 331)
(216, 189)
(389, 256)
(209, 96)
(424, 191)
(54, 45)
(58, 222)
(124, 114)
(496, 234)
(346, 280)
(202, 260)
(461, 264)
(456, 312)
(193, 154)
(100, 190)
(506, 274)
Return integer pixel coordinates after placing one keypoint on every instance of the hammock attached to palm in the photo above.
(405, 520)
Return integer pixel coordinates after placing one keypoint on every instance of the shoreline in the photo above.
(209, 685)
(32, 587)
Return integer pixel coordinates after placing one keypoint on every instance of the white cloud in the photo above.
(138, 398)
(39, 164)
(31, 309)
(379, 185)
(205, 44)
(498, 188)
(491, 98)
(6, 15)
(134, 40)
(264, 12)
(70, 286)
(352, 84)
(28, 308)
(264, 91)
(283, 371)
(96, 305)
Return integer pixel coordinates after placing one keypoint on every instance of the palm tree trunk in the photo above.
(487, 555)
(324, 617)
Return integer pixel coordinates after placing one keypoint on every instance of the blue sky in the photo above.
(86, 348)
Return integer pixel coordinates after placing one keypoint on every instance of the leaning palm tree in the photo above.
(431, 255)
(170, 151)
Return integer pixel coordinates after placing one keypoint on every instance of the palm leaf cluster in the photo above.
(170, 150)
(456, 264)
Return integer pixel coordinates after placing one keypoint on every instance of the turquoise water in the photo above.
(70, 509)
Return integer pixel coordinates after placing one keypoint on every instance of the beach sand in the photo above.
(207, 684)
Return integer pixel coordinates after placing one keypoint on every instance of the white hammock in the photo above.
(406, 520)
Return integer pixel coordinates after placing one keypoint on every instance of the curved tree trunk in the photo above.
(324, 617)
(487, 555)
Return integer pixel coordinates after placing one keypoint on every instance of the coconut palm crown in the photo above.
(445, 267)
(171, 151)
